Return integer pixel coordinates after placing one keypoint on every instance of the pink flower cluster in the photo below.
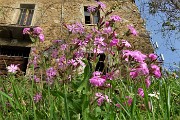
(102, 98)
(76, 28)
(102, 5)
(114, 42)
(50, 72)
(132, 30)
(115, 18)
(152, 57)
(156, 70)
(135, 55)
(37, 97)
(141, 92)
(91, 8)
(99, 41)
(37, 32)
(97, 80)
(126, 43)
(76, 61)
(142, 68)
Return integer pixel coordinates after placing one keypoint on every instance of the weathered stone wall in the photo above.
(51, 14)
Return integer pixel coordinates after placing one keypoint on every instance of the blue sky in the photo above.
(153, 25)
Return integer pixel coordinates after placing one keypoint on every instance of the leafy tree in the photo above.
(171, 9)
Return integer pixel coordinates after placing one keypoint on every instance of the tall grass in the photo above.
(76, 100)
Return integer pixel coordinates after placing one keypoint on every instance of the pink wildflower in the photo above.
(136, 55)
(97, 81)
(107, 30)
(102, 5)
(129, 101)
(37, 30)
(143, 69)
(97, 73)
(51, 72)
(63, 47)
(73, 62)
(54, 53)
(61, 62)
(79, 60)
(133, 73)
(96, 31)
(37, 97)
(115, 18)
(79, 28)
(115, 34)
(36, 79)
(148, 81)
(107, 24)
(88, 36)
(99, 41)
(35, 61)
(71, 28)
(152, 56)
(102, 98)
(49, 81)
(26, 30)
(141, 92)
(76, 28)
(156, 70)
(114, 42)
(107, 99)
(41, 37)
(79, 54)
(57, 41)
(99, 49)
(126, 43)
(91, 8)
(76, 41)
(12, 68)
(132, 30)
(110, 75)
(118, 105)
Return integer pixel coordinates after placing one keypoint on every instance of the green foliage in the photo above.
(70, 102)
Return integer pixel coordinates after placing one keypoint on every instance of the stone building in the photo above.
(51, 15)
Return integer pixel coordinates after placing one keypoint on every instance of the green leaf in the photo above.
(66, 104)
(33, 39)
(116, 99)
(84, 83)
(5, 95)
(97, 111)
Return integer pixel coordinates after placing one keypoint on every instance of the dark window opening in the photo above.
(26, 15)
(87, 20)
(91, 18)
(13, 55)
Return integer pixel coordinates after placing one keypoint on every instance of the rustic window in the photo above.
(26, 14)
(13, 55)
(91, 18)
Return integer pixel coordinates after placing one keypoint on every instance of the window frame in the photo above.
(26, 14)
(92, 17)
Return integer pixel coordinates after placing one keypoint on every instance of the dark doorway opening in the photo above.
(13, 55)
